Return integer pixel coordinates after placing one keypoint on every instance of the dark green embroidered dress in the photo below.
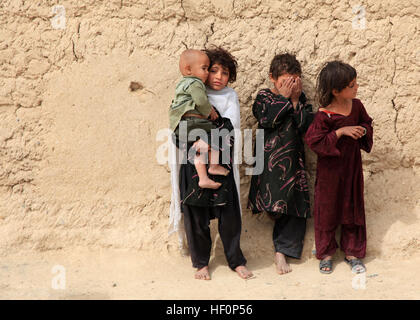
(282, 187)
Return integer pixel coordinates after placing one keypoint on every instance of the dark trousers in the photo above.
(288, 235)
(197, 229)
(352, 242)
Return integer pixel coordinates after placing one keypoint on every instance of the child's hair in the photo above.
(284, 63)
(334, 75)
(221, 56)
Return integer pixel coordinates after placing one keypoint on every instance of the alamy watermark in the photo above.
(359, 281)
(58, 22)
(58, 282)
(359, 21)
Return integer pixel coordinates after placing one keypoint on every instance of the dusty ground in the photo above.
(116, 274)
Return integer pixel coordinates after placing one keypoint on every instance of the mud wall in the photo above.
(78, 146)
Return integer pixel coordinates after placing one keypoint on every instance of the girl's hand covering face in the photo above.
(286, 87)
(297, 89)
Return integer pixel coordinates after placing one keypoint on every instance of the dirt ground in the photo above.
(116, 274)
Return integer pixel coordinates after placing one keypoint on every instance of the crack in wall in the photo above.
(395, 69)
(208, 36)
(74, 51)
(73, 44)
(396, 120)
(183, 9)
(183, 18)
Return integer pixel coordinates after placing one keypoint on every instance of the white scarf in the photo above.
(227, 103)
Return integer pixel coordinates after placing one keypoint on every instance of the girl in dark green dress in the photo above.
(281, 189)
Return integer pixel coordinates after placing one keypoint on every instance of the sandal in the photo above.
(356, 265)
(325, 264)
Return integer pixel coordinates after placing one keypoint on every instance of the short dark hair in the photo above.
(334, 75)
(224, 58)
(284, 63)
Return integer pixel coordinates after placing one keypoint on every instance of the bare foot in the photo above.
(203, 273)
(281, 264)
(243, 272)
(218, 170)
(209, 184)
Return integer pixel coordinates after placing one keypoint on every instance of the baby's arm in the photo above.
(199, 96)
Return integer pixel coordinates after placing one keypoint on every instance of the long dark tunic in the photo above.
(191, 193)
(339, 177)
(282, 187)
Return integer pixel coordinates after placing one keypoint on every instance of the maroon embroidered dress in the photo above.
(339, 179)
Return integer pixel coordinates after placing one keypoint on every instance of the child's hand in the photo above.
(355, 132)
(200, 146)
(296, 90)
(213, 114)
(286, 87)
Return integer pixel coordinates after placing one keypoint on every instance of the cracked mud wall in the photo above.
(77, 145)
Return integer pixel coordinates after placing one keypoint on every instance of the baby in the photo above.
(192, 106)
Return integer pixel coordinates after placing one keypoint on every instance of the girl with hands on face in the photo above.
(289, 86)
(296, 91)
(281, 189)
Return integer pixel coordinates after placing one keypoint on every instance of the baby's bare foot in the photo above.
(202, 274)
(281, 264)
(218, 170)
(209, 184)
(243, 272)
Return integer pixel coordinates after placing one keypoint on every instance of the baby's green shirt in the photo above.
(190, 96)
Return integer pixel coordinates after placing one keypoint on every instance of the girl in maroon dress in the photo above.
(340, 129)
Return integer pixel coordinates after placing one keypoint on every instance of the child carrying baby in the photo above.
(191, 105)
